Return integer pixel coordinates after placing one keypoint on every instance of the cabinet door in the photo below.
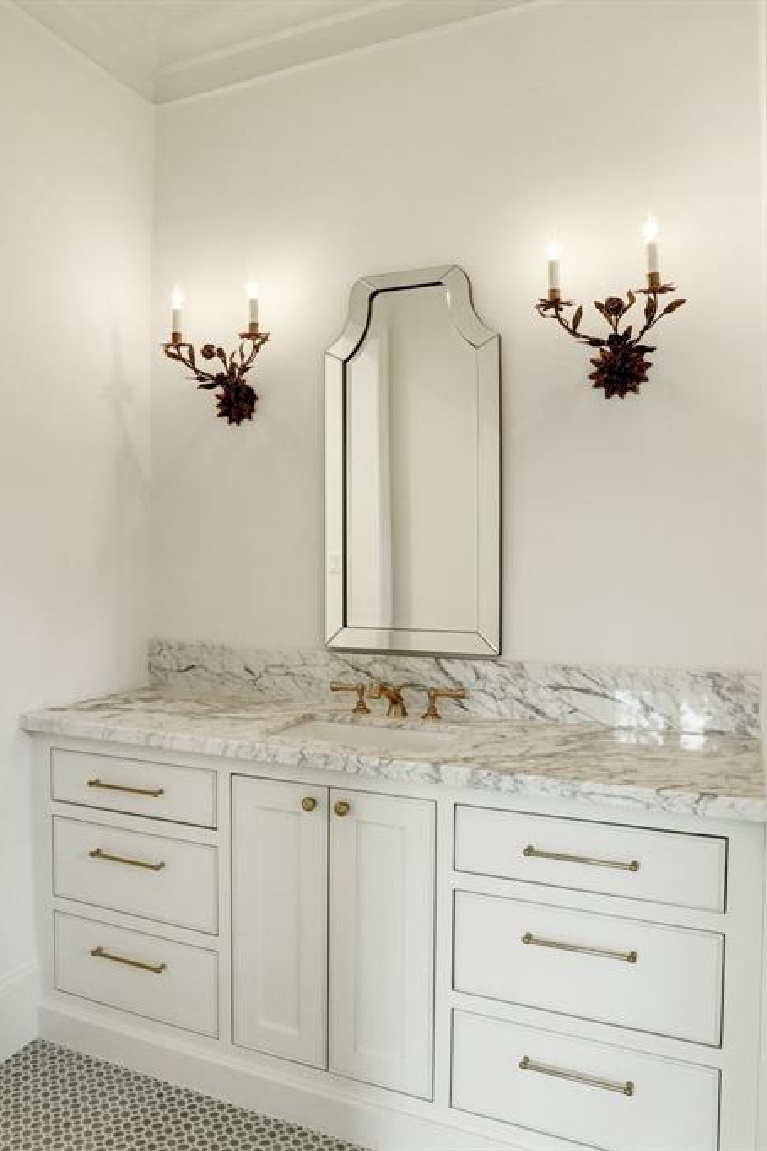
(382, 940)
(279, 918)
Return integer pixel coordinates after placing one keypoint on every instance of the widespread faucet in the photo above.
(392, 693)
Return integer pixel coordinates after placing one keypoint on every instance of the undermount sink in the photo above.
(359, 735)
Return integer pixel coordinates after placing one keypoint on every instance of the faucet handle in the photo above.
(436, 693)
(360, 707)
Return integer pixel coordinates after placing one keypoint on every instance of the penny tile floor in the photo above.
(52, 1099)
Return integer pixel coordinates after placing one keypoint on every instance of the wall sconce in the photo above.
(621, 362)
(235, 398)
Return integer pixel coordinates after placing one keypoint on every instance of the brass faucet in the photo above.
(436, 693)
(392, 693)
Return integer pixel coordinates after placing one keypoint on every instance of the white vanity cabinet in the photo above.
(406, 965)
(297, 851)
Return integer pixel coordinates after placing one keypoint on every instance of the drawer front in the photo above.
(158, 790)
(662, 866)
(169, 880)
(143, 974)
(667, 980)
(579, 1090)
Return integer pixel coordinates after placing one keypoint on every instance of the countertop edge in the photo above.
(458, 776)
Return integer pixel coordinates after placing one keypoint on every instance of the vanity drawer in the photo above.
(143, 974)
(169, 880)
(576, 1089)
(158, 790)
(638, 863)
(667, 980)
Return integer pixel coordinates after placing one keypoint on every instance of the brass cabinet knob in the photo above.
(341, 807)
(308, 803)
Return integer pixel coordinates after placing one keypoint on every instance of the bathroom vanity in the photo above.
(459, 935)
(474, 934)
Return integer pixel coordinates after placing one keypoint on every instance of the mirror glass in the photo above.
(412, 449)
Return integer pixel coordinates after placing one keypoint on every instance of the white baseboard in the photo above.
(19, 997)
(328, 1110)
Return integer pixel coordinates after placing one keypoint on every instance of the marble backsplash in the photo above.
(649, 698)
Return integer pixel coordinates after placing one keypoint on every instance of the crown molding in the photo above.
(192, 47)
(362, 26)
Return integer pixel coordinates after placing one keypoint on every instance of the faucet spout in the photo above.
(396, 700)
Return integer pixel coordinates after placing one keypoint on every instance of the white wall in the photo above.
(633, 529)
(75, 236)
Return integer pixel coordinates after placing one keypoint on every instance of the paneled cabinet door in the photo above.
(382, 940)
(279, 906)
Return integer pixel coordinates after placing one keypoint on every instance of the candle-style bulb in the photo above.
(553, 253)
(650, 233)
(252, 305)
(177, 304)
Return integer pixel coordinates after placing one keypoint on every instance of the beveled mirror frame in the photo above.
(485, 640)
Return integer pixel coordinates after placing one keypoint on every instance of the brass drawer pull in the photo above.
(98, 853)
(604, 953)
(308, 803)
(155, 792)
(342, 807)
(526, 1064)
(154, 968)
(534, 853)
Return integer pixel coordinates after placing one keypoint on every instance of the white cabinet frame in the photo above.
(378, 1116)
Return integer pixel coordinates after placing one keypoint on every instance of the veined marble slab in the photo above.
(706, 775)
(651, 699)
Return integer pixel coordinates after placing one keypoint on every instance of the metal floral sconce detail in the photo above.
(621, 364)
(235, 398)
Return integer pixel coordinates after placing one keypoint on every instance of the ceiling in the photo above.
(167, 49)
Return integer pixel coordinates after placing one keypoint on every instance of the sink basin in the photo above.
(361, 736)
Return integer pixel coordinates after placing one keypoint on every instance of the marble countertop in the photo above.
(714, 776)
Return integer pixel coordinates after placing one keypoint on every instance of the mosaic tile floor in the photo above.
(52, 1099)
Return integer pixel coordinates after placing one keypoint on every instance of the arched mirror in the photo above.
(412, 451)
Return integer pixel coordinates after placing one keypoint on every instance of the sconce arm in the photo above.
(621, 363)
(236, 399)
(651, 313)
(556, 310)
